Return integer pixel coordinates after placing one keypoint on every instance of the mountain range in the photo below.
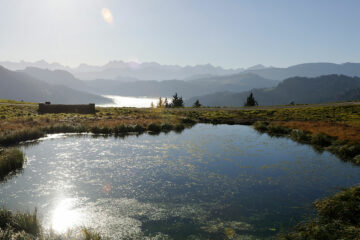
(299, 90)
(155, 71)
(213, 86)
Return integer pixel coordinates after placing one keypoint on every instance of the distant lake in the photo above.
(138, 102)
(209, 182)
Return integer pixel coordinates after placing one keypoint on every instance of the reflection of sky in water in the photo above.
(194, 184)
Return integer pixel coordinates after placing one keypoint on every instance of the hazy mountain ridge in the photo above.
(55, 77)
(115, 69)
(156, 71)
(20, 86)
(236, 83)
(308, 70)
(329, 88)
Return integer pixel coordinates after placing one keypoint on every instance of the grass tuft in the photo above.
(11, 159)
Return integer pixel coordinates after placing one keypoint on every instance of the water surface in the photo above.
(209, 182)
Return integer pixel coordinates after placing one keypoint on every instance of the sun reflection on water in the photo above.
(65, 216)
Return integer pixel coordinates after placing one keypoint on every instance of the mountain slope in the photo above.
(236, 82)
(330, 88)
(20, 86)
(55, 77)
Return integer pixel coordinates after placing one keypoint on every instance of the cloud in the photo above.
(107, 15)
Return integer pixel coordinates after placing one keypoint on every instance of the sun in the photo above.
(107, 15)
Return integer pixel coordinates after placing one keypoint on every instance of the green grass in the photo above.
(11, 159)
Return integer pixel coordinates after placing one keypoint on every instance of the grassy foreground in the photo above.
(26, 226)
(334, 128)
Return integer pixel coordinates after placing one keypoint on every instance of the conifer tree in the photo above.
(197, 104)
(250, 101)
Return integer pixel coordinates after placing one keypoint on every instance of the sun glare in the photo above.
(107, 15)
(65, 216)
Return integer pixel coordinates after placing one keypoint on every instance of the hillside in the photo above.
(55, 77)
(329, 88)
(235, 83)
(20, 86)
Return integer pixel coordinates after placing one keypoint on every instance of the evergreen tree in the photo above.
(152, 105)
(177, 101)
(197, 104)
(250, 101)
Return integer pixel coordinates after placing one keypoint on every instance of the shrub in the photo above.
(261, 126)
(179, 128)
(121, 129)
(10, 160)
(277, 130)
(167, 127)
(338, 218)
(138, 128)
(348, 151)
(300, 136)
(95, 130)
(321, 139)
(188, 121)
(153, 127)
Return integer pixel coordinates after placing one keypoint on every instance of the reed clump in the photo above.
(11, 159)
(20, 222)
(64, 128)
(27, 226)
(15, 137)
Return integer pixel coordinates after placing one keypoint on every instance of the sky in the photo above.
(227, 33)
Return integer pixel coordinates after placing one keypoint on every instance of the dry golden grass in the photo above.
(342, 130)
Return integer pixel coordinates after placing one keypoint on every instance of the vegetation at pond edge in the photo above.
(338, 217)
(11, 160)
(344, 149)
(21, 226)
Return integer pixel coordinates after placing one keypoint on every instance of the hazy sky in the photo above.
(229, 33)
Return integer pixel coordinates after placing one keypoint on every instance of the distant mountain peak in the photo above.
(257, 67)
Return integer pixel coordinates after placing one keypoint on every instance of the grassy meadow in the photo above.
(330, 127)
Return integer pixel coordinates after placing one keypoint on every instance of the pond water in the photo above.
(209, 182)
